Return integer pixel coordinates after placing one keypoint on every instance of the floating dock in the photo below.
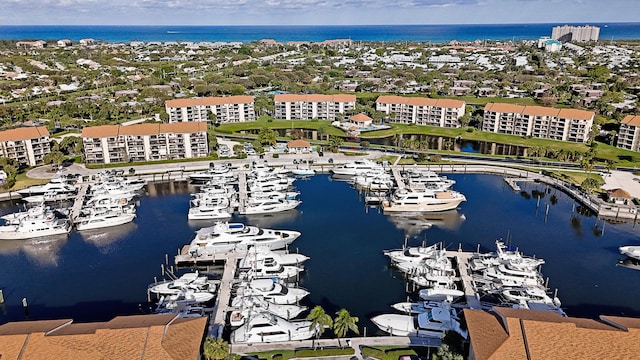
(79, 201)
(470, 293)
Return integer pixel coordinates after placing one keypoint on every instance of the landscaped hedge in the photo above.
(324, 352)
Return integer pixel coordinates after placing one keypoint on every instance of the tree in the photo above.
(334, 143)
(343, 323)
(320, 320)
(444, 353)
(267, 136)
(54, 157)
(215, 348)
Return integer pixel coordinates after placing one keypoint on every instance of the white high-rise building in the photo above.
(568, 33)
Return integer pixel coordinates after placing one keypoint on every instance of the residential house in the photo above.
(226, 109)
(64, 43)
(537, 121)
(144, 142)
(160, 337)
(312, 106)
(629, 134)
(619, 196)
(38, 44)
(507, 333)
(27, 145)
(422, 111)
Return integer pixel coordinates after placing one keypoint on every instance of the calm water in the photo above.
(433, 33)
(97, 276)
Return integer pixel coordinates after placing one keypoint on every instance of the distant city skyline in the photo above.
(313, 12)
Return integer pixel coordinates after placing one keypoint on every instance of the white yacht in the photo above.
(427, 179)
(281, 258)
(56, 187)
(268, 206)
(439, 294)
(218, 171)
(266, 269)
(630, 251)
(37, 212)
(225, 237)
(357, 167)
(303, 171)
(273, 195)
(266, 327)
(48, 197)
(425, 200)
(432, 323)
(106, 218)
(189, 295)
(534, 294)
(34, 227)
(208, 213)
(248, 306)
(272, 291)
(412, 253)
(418, 307)
(187, 281)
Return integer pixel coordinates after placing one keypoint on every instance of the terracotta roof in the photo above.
(540, 111)
(162, 337)
(360, 118)
(314, 98)
(24, 133)
(143, 129)
(28, 327)
(298, 143)
(205, 101)
(532, 334)
(619, 193)
(632, 120)
(420, 101)
(576, 114)
(488, 333)
(504, 108)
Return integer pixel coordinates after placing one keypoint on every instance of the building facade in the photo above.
(27, 145)
(312, 106)
(629, 133)
(228, 109)
(144, 142)
(568, 33)
(537, 121)
(422, 111)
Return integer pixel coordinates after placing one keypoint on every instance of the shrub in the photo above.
(275, 156)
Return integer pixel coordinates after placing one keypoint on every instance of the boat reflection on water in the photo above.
(105, 238)
(269, 220)
(630, 263)
(43, 250)
(414, 224)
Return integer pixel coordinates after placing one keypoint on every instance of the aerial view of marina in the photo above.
(246, 186)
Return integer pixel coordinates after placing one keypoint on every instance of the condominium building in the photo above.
(312, 106)
(27, 145)
(228, 109)
(144, 142)
(629, 134)
(568, 33)
(422, 111)
(537, 121)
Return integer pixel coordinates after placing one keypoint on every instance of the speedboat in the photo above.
(417, 307)
(208, 213)
(630, 251)
(535, 294)
(266, 327)
(412, 254)
(303, 172)
(426, 200)
(248, 306)
(272, 291)
(439, 294)
(428, 179)
(268, 206)
(224, 237)
(282, 259)
(35, 227)
(432, 323)
(266, 268)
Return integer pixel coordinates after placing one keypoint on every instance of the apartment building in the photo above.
(312, 106)
(227, 109)
(144, 142)
(422, 111)
(629, 134)
(568, 33)
(538, 121)
(27, 145)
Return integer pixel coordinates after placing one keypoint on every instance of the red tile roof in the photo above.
(298, 143)
(143, 129)
(207, 101)
(540, 111)
(420, 101)
(24, 133)
(314, 98)
(360, 118)
(632, 120)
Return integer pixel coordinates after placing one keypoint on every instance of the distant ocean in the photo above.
(418, 33)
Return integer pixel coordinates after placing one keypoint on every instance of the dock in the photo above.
(397, 177)
(513, 183)
(217, 319)
(470, 293)
(79, 201)
(242, 191)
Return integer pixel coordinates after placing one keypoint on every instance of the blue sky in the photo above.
(313, 12)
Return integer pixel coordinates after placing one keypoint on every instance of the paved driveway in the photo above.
(623, 180)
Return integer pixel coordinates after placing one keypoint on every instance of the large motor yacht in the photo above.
(426, 200)
(266, 327)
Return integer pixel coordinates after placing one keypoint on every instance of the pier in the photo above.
(242, 191)
(397, 177)
(470, 293)
(79, 201)
(218, 317)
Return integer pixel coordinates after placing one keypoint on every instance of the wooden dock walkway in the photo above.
(462, 260)
(513, 183)
(397, 177)
(242, 191)
(79, 201)
(218, 317)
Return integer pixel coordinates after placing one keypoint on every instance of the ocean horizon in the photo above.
(311, 33)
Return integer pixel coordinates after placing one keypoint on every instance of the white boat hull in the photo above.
(10, 233)
(424, 207)
(115, 221)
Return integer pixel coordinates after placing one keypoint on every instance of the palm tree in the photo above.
(343, 323)
(334, 143)
(320, 320)
(215, 348)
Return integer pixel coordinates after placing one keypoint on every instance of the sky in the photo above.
(313, 12)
